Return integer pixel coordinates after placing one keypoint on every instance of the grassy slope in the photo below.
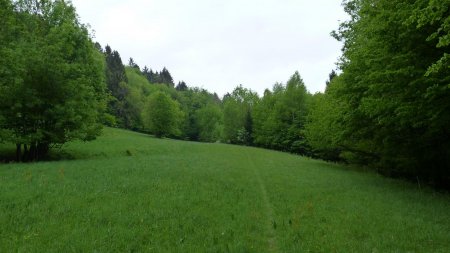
(174, 196)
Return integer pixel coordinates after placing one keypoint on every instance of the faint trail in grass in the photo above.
(272, 240)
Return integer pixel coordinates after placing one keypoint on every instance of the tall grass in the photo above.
(129, 192)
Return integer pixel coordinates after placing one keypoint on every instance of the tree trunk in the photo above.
(25, 152)
(32, 153)
(18, 152)
(42, 150)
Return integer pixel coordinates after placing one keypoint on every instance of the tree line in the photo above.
(389, 108)
(386, 106)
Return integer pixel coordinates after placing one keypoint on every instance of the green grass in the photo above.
(128, 192)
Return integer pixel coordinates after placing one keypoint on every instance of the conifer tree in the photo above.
(181, 86)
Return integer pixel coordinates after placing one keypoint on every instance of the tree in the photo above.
(9, 66)
(209, 120)
(323, 126)
(280, 117)
(53, 90)
(331, 76)
(395, 86)
(133, 64)
(166, 77)
(161, 115)
(181, 86)
(263, 120)
(193, 100)
(116, 80)
(233, 120)
(148, 73)
(163, 77)
(238, 107)
(296, 103)
(115, 73)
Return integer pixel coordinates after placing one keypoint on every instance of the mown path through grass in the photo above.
(271, 224)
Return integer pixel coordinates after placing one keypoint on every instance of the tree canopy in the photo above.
(393, 91)
(52, 85)
(161, 115)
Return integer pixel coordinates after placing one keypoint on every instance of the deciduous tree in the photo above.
(52, 85)
(395, 84)
(162, 115)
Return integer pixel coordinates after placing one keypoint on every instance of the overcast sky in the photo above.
(218, 45)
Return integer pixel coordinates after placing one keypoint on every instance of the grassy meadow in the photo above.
(129, 192)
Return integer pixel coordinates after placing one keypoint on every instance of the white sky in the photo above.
(219, 44)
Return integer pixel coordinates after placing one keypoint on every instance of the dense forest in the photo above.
(386, 106)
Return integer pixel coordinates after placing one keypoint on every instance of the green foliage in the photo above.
(115, 73)
(138, 90)
(117, 80)
(52, 85)
(178, 196)
(237, 108)
(395, 85)
(161, 115)
(133, 64)
(201, 117)
(166, 77)
(234, 118)
(210, 123)
(198, 104)
(434, 15)
(280, 117)
(323, 127)
(163, 77)
(388, 107)
(181, 86)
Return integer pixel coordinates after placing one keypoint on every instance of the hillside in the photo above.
(131, 192)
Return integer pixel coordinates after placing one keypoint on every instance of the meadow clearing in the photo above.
(130, 192)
